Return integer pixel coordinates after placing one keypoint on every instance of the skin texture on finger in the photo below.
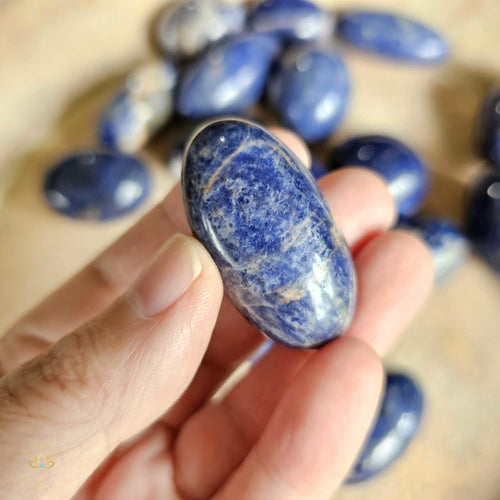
(295, 143)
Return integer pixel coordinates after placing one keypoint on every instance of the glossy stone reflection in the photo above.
(310, 89)
(488, 128)
(230, 78)
(96, 186)
(392, 36)
(284, 263)
(407, 177)
(396, 425)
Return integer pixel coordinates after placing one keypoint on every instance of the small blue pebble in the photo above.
(407, 177)
(260, 214)
(397, 424)
(294, 20)
(483, 218)
(310, 88)
(488, 129)
(448, 246)
(174, 159)
(229, 78)
(318, 170)
(97, 186)
(392, 36)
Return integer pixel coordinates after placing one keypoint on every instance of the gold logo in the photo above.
(41, 456)
(41, 461)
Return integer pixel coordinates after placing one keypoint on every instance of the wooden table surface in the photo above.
(60, 61)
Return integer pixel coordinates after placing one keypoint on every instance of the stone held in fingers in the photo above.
(260, 214)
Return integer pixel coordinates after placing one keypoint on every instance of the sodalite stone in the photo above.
(145, 103)
(407, 177)
(260, 214)
(392, 36)
(448, 246)
(188, 27)
(310, 90)
(318, 170)
(294, 20)
(230, 78)
(488, 128)
(397, 424)
(483, 218)
(97, 186)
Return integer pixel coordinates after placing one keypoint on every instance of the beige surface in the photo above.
(59, 63)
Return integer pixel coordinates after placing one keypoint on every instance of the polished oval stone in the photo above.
(142, 106)
(392, 36)
(318, 170)
(186, 28)
(309, 89)
(230, 78)
(448, 246)
(407, 177)
(483, 218)
(260, 214)
(294, 20)
(488, 128)
(397, 424)
(97, 186)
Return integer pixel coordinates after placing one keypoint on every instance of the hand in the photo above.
(124, 399)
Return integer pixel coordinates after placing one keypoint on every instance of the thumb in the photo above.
(113, 376)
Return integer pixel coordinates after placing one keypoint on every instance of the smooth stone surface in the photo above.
(97, 186)
(294, 20)
(260, 214)
(318, 170)
(488, 128)
(142, 106)
(186, 28)
(309, 89)
(392, 36)
(407, 177)
(229, 78)
(397, 424)
(448, 246)
(483, 218)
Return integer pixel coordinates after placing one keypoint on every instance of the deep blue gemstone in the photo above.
(260, 214)
(483, 218)
(294, 20)
(318, 170)
(309, 88)
(97, 186)
(392, 36)
(230, 78)
(488, 128)
(406, 176)
(448, 246)
(397, 423)
(141, 107)
(186, 28)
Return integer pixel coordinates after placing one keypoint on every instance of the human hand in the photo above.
(124, 399)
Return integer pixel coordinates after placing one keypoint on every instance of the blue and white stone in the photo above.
(488, 128)
(293, 20)
(97, 186)
(406, 175)
(397, 424)
(186, 28)
(318, 170)
(229, 78)
(448, 246)
(260, 214)
(309, 89)
(142, 106)
(393, 36)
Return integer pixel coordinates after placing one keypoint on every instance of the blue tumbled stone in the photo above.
(229, 78)
(260, 214)
(488, 128)
(448, 246)
(294, 20)
(397, 424)
(97, 186)
(483, 218)
(392, 36)
(309, 88)
(318, 170)
(406, 176)
(186, 28)
(142, 106)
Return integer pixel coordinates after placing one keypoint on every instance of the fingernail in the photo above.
(168, 277)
